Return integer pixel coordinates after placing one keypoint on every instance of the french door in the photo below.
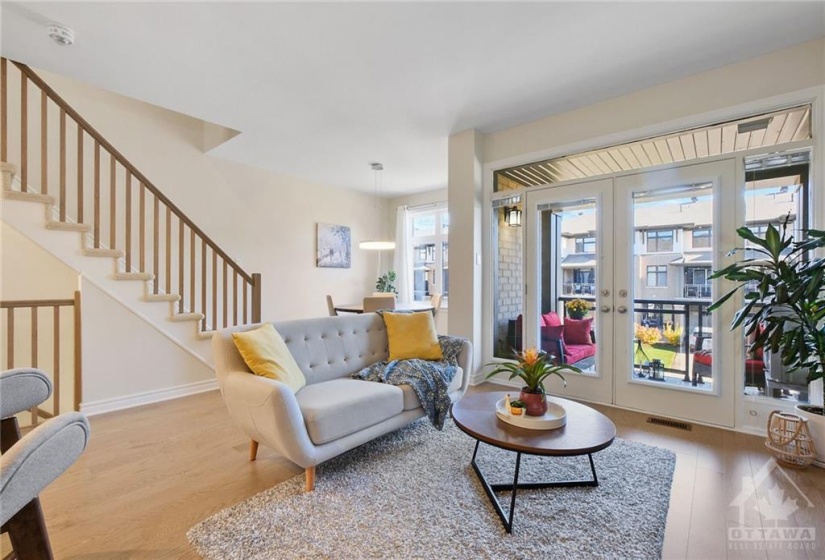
(637, 250)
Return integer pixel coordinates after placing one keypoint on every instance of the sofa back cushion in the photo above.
(324, 348)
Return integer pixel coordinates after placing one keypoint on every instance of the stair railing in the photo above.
(130, 217)
(33, 337)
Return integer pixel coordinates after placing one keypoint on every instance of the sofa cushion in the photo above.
(577, 331)
(576, 352)
(339, 407)
(412, 335)
(266, 354)
(411, 401)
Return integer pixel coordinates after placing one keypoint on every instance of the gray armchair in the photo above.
(32, 462)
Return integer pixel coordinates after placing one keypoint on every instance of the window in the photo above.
(660, 241)
(701, 238)
(697, 282)
(657, 275)
(430, 230)
(585, 244)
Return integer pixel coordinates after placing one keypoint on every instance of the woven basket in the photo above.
(790, 440)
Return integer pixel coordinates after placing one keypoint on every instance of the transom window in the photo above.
(660, 241)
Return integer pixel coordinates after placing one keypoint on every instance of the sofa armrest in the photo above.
(268, 412)
(465, 362)
(22, 389)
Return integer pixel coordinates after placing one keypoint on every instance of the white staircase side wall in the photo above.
(29, 219)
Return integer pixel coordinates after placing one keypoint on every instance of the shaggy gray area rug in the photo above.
(413, 494)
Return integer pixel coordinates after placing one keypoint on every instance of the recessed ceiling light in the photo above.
(60, 34)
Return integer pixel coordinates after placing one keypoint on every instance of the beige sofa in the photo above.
(332, 413)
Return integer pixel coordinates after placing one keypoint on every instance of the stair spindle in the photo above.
(214, 290)
(62, 165)
(10, 338)
(142, 227)
(97, 196)
(80, 139)
(192, 257)
(234, 298)
(4, 102)
(180, 266)
(156, 243)
(24, 133)
(112, 203)
(168, 250)
(56, 364)
(225, 295)
(245, 284)
(44, 145)
(128, 232)
(203, 284)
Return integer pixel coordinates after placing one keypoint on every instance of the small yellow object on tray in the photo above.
(516, 411)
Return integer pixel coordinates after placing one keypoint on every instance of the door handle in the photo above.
(621, 309)
(605, 308)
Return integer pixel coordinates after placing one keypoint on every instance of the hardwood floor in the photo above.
(151, 473)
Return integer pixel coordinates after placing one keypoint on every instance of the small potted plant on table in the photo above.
(533, 367)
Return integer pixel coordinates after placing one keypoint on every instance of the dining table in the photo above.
(359, 307)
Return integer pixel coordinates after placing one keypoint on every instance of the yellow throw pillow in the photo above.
(267, 355)
(412, 335)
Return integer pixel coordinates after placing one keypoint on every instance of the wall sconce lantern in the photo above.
(513, 216)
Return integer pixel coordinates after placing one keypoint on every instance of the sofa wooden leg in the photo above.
(253, 450)
(310, 476)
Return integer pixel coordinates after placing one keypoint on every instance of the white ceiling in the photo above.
(319, 91)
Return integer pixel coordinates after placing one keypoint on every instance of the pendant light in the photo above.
(377, 244)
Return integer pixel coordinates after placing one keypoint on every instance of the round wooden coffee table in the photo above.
(586, 432)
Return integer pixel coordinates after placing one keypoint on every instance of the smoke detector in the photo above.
(60, 34)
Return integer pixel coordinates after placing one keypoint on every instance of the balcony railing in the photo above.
(689, 313)
(575, 288)
(696, 291)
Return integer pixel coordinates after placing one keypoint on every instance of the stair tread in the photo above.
(161, 297)
(145, 276)
(101, 252)
(68, 226)
(28, 196)
(179, 317)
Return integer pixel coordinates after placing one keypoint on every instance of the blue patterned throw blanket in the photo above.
(429, 379)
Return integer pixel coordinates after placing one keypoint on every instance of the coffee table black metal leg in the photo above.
(491, 489)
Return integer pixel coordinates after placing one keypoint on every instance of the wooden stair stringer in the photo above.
(71, 249)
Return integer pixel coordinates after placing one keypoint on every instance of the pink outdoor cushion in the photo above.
(577, 331)
(555, 332)
(576, 352)
(551, 319)
(703, 357)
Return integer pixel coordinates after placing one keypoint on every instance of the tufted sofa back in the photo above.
(325, 348)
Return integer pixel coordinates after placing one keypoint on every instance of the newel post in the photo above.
(256, 298)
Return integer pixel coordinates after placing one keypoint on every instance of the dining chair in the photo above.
(373, 304)
(435, 301)
(331, 307)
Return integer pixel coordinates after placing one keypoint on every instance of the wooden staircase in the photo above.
(52, 156)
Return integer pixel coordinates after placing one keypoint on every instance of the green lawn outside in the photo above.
(661, 351)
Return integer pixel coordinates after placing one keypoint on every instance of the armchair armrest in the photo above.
(22, 389)
(267, 411)
(38, 458)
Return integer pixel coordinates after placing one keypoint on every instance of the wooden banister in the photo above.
(91, 131)
(120, 197)
(42, 341)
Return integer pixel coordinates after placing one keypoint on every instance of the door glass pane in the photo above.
(423, 270)
(672, 257)
(508, 297)
(776, 188)
(445, 274)
(568, 271)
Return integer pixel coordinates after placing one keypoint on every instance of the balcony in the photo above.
(696, 291)
(575, 288)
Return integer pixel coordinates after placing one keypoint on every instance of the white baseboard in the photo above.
(149, 397)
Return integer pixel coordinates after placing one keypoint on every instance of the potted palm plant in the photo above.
(533, 367)
(785, 313)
